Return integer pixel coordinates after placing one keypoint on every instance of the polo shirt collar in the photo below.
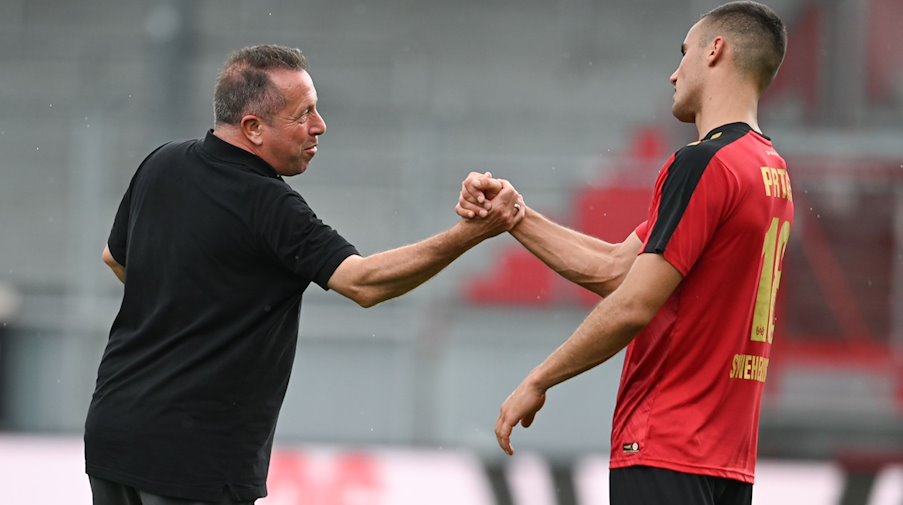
(225, 151)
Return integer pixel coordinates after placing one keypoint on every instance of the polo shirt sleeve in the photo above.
(119, 235)
(299, 240)
(118, 241)
(692, 197)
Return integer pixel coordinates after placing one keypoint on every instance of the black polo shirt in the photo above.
(218, 250)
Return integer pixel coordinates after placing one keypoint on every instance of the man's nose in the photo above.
(319, 125)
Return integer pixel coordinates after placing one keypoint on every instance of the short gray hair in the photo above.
(244, 85)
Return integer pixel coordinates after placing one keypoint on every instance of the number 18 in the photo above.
(772, 256)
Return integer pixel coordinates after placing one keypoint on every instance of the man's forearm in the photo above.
(389, 274)
(607, 330)
(592, 263)
(119, 272)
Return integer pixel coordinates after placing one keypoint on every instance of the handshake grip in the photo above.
(483, 195)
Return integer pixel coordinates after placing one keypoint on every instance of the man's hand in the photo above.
(520, 407)
(477, 192)
(505, 209)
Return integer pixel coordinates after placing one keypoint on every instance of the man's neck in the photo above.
(720, 108)
(233, 136)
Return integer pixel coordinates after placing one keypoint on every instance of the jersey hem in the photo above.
(739, 475)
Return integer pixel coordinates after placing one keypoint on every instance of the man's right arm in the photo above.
(373, 279)
(114, 265)
(584, 260)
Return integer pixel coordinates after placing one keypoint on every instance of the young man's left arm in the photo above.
(613, 324)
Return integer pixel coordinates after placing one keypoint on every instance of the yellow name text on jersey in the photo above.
(777, 183)
(749, 367)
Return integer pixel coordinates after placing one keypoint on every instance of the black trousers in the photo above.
(643, 485)
(111, 493)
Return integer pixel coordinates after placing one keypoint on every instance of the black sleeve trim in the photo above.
(683, 177)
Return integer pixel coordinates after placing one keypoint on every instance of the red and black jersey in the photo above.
(692, 383)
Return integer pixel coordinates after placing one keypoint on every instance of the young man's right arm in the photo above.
(596, 265)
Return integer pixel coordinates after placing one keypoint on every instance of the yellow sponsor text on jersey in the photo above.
(777, 183)
(749, 367)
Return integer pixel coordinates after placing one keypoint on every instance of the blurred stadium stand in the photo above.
(569, 100)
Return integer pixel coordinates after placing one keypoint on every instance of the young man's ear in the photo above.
(715, 50)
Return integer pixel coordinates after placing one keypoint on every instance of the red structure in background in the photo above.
(802, 76)
(885, 60)
(801, 73)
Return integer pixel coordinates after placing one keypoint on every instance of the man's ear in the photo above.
(252, 128)
(715, 50)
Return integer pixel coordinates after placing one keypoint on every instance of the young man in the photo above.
(215, 251)
(691, 291)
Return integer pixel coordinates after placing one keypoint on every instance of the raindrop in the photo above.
(51, 106)
(818, 216)
(37, 148)
(269, 14)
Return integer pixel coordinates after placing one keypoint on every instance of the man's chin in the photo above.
(684, 116)
(293, 171)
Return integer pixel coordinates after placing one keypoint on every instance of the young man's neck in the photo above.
(739, 105)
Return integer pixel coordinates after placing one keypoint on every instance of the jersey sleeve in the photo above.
(300, 241)
(642, 231)
(692, 197)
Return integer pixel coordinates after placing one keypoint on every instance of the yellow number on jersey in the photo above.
(772, 256)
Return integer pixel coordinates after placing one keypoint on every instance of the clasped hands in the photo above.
(484, 197)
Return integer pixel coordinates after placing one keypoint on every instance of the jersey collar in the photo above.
(741, 127)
